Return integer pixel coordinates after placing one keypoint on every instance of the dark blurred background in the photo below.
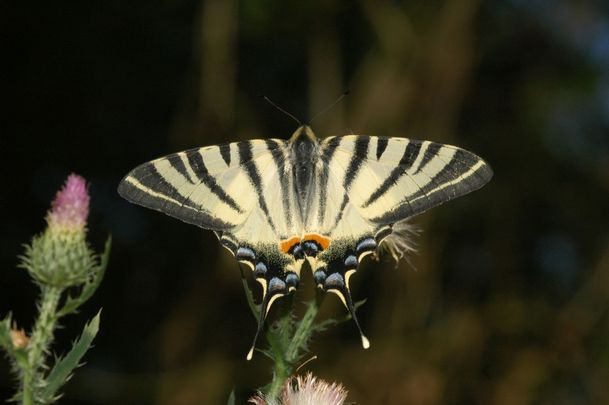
(509, 301)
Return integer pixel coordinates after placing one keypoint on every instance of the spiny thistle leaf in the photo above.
(303, 333)
(5, 334)
(64, 367)
(73, 303)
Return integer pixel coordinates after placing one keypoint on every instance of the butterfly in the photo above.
(276, 203)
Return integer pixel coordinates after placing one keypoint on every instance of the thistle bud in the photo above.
(18, 337)
(60, 256)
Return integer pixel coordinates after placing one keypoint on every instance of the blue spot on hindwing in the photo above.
(298, 252)
(260, 270)
(351, 262)
(245, 253)
(320, 277)
(311, 248)
(365, 246)
(334, 280)
(276, 285)
(292, 280)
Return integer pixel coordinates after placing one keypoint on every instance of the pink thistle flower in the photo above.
(306, 390)
(70, 207)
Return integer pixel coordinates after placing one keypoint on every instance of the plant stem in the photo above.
(287, 355)
(281, 373)
(281, 368)
(42, 335)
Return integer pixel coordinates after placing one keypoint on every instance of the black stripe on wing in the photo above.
(430, 152)
(225, 152)
(279, 160)
(177, 163)
(249, 165)
(362, 144)
(200, 169)
(381, 145)
(446, 185)
(361, 149)
(410, 154)
(326, 157)
(147, 187)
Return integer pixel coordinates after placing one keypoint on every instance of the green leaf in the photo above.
(231, 398)
(21, 357)
(87, 290)
(5, 334)
(63, 368)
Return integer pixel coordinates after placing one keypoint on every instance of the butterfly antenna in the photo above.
(328, 108)
(282, 110)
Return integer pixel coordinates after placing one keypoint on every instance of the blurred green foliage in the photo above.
(509, 303)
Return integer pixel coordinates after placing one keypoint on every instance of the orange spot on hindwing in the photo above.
(320, 239)
(286, 245)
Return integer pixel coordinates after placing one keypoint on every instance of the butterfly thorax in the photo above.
(304, 152)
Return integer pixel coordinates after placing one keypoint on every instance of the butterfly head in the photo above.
(304, 133)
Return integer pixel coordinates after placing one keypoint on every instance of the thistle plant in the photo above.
(67, 272)
(288, 339)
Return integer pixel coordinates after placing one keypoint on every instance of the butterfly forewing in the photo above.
(211, 187)
(399, 177)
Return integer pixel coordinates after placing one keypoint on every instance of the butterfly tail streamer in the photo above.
(267, 300)
(345, 295)
(351, 309)
(261, 319)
